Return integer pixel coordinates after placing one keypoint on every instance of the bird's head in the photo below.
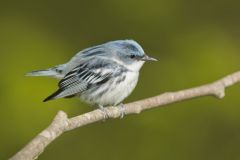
(130, 53)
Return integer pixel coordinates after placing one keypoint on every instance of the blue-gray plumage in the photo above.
(101, 75)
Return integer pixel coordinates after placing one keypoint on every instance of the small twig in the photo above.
(62, 123)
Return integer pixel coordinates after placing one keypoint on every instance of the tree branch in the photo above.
(62, 123)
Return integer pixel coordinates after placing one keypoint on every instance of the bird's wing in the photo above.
(90, 73)
(86, 55)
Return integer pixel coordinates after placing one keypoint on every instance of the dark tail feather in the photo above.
(53, 96)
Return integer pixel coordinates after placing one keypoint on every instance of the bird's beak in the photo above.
(147, 58)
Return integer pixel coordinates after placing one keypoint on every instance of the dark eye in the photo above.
(132, 56)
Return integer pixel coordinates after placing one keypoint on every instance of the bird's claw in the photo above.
(104, 112)
(122, 110)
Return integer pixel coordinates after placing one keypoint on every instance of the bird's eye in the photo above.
(132, 56)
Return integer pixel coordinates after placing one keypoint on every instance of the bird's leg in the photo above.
(105, 114)
(122, 110)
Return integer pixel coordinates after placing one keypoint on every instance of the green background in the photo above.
(196, 42)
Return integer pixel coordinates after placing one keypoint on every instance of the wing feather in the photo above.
(85, 76)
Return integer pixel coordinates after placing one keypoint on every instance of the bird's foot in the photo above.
(122, 110)
(104, 111)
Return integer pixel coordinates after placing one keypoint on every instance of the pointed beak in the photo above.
(147, 58)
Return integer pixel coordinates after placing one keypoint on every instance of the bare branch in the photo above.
(62, 123)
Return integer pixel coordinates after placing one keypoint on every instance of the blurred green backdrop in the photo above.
(196, 42)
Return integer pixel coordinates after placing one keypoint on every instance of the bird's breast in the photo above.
(115, 90)
(121, 87)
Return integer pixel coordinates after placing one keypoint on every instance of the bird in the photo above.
(102, 75)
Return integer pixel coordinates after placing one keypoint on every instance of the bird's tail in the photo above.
(56, 72)
(46, 72)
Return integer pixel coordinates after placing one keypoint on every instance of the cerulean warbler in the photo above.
(102, 75)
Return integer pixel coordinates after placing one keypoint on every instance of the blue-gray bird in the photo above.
(102, 75)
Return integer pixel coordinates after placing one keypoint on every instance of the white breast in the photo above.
(124, 89)
(116, 92)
